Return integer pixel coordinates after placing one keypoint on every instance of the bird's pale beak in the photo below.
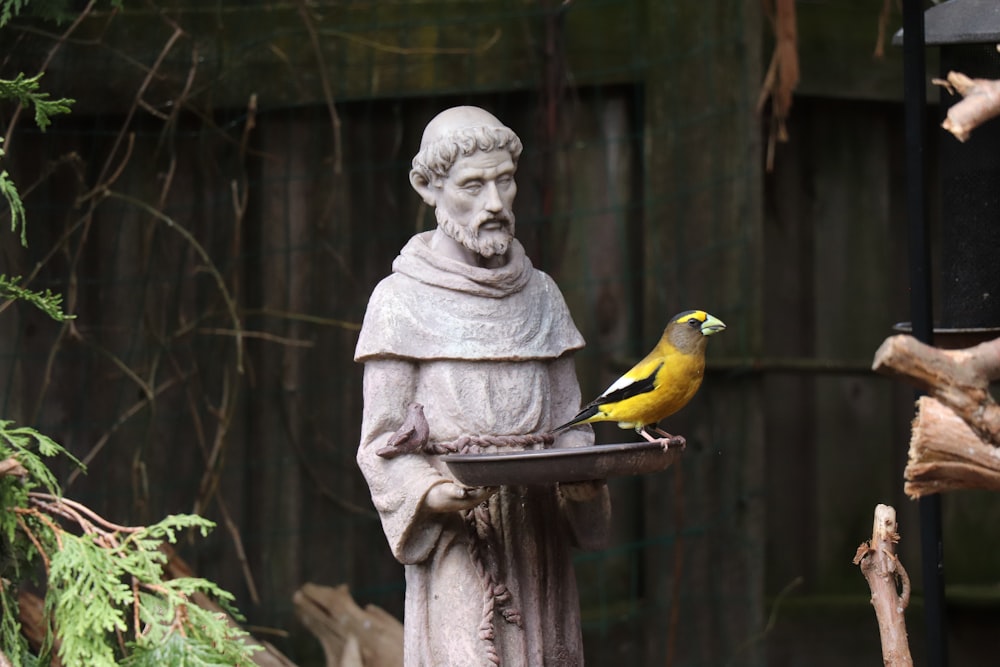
(712, 325)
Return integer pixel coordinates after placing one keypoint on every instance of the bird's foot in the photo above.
(674, 442)
(667, 440)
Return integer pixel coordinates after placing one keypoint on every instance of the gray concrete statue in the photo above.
(466, 327)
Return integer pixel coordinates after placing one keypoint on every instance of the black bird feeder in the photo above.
(967, 32)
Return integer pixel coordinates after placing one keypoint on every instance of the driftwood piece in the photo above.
(351, 636)
(960, 379)
(946, 455)
(268, 656)
(956, 431)
(980, 103)
(34, 626)
(890, 586)
(11, 466)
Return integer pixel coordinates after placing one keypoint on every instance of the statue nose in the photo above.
(492, 195)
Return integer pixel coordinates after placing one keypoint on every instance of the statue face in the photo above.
(474, 205)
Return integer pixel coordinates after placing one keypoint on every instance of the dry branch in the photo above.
(890, 586)
(980, 103)
(347, 631)
(782, 75)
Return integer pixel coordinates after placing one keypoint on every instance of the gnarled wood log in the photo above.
(955, 442)
(945, 454)
(351, 636)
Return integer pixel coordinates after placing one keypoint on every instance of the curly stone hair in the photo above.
(436, 159)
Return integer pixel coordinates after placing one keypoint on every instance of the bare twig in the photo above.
(124, 417)
(324, 79)
(415, 50)
(31, 536)
(772, 620)
(883, 27)
(82, 509)
(241, 554)
(203, 254)
(260, 335)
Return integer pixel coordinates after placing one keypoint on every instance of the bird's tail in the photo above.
(580, 418)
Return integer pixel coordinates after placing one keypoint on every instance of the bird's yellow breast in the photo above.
(676, 383)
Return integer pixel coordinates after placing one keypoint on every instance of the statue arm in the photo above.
(399, 486)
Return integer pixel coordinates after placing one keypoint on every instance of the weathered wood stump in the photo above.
(351, 636)
(955, 441)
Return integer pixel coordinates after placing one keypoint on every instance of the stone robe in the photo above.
(485, 351)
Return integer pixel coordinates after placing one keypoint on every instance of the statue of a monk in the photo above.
(468, 328)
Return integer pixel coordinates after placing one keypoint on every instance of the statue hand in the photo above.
(451, 497)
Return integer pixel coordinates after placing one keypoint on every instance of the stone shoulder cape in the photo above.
(433, 307)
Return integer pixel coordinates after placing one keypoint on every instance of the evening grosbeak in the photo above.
(659, 385)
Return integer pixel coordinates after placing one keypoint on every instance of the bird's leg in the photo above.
(642, 431)
(669, 441)
(660, 432)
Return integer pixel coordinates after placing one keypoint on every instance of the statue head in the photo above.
(465, 170)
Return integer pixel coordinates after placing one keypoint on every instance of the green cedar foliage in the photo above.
(106, 598)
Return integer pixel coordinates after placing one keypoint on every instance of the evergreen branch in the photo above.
(47, 302)
(22, 442)
(12, 641)
(9, 9)
(10, 193)
(25, 89)
(101, 574)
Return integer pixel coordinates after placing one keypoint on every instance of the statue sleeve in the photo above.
(398, 486)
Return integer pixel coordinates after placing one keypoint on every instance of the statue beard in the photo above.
(485, 243)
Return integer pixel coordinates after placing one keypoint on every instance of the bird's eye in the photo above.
(694, 324)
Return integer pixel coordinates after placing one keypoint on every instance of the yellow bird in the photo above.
(659, 385)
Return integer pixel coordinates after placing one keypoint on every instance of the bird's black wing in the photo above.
(628, 391)
(632, 389)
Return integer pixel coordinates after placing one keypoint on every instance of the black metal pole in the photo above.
(914, 113)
